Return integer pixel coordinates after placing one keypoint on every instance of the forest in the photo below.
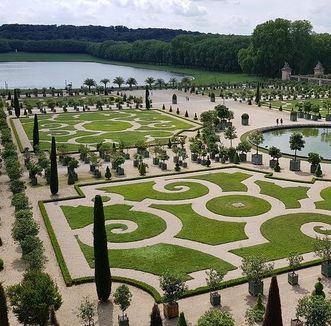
(263, 53)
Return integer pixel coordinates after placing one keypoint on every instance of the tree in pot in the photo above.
(297, 143)
(122, 297)
(322, 249)
(276, 154)
(315, 310)
(256, 138)
(244, 147)
(230, 133)
(34, 170)
(156, 151)
(255, 269)
(87, 312)
(244, 119)
(294, 261)
(314, 159)
(173, 287)
(214, 280)
(327, 106)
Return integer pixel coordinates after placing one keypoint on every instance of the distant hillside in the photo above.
(88, 33)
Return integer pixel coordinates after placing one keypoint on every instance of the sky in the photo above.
(209, 16)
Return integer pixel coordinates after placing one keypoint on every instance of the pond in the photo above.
(317, 139)
(57, 74)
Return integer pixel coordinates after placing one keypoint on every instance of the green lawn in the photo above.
(143, 190)
(326, 202)
(159, 258)
(201, 77)
(290, 196)
(225, 205)
(227, 181)
(284, 236)
(198, 228)
(149, 225)
(114, 125)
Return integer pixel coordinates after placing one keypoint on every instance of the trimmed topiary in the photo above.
(319, 289)
(156, 319)
(54, 179)
(3, 308)
(318, 172)
(181, 320)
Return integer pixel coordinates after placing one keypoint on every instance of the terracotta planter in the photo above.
(170, 310)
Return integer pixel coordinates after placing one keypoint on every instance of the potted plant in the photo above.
(173, 288)
(275, 153)
(195, 148)
(307, 107)
(163, 157)
(314, 159)
(300, 112)
(223, 115)
(136, 158)
(322, 248)
(212, 97)
(214, 280)
(327, 106)
(174, 99)
(83, 152)
(183, 156)
(294, 260)
(141, 146)
(122, 297)
(34, 170)
(118, 160)
(244, 119)
(297, 143)
(244, 147)
(175, 150)
(256, 138)
(255, 269)
(156, 150)
(293, 115)
(315, 108)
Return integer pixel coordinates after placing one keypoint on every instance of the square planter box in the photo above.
(107, 158)
(326, 269)
(257, 159)
(293, 278)
(212, 155)
(164, 166)
(156, 160)
(217, 158)
(199, 160)
(135, 163)
(194, 157)
(120, 171)
(313, 168)
(215, 299)
(244, 122)
(328, 117)
(127, 156)
(222, 125)
(307, 116)
(92, 168)
(175, 159)
(301, 115)
(255, 288)
(243, 157)
(146, 154)
(314, 117)
(170, 310)
(123, 320)
(295, 165)
(185, 165)
(272, 163)
(293, 117)
(296, 322)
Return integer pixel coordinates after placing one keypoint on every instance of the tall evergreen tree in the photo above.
(156, 319)
(181, 320)
(273, 314)
(147, 100)
(102, 274)
(258, 94)
(54, 179)
(35, 132)
(16, 104)
(3, 308)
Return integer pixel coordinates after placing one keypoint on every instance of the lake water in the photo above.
(57, 74)
(318, 140)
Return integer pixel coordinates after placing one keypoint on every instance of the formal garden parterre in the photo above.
(191, 223)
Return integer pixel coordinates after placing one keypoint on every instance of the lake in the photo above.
(57, 74)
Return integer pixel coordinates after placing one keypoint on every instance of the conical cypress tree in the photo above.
(35, 132)
(16, 105)
(3, 308)
(156, 319)
(273, 314)
(9, 96)
(181, 320)
(258, 94)
(102, 271)
(54, 179)
(147, 100)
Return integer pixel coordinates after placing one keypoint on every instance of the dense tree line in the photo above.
(87, 33)
(280, 40)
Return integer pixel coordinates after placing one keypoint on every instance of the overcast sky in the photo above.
(215, 16)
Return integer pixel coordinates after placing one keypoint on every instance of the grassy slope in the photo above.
(158, 258)
(140, 191)
(290, 196)
(253, 206)
(148, 225)
(198, 228)
(200, 76)
(285, 236)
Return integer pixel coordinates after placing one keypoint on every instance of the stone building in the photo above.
(286, 72)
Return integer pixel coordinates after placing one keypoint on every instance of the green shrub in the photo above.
(30, 243)
(20, 201)
(1, 264)
(17, 186)
(23, 213)
(35, 259)
(23, 228)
